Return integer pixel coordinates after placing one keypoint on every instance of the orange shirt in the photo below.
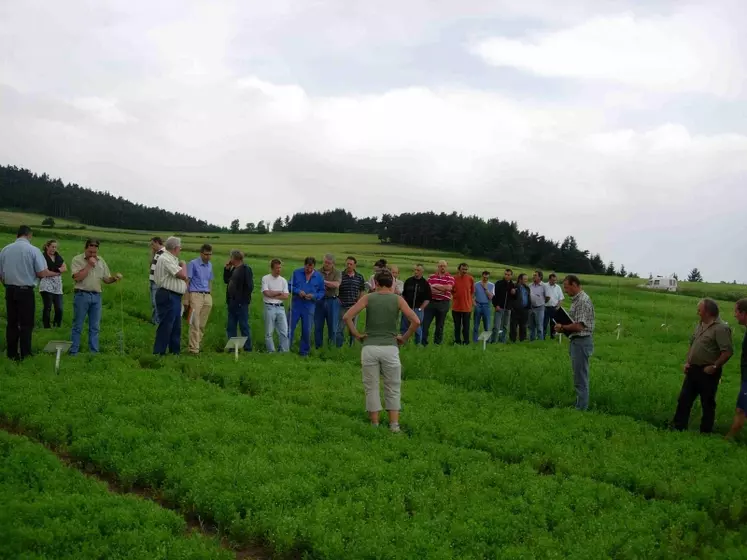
(464, 290)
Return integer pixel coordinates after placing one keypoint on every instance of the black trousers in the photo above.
(461, 326)
(519, 318)
(21, 306)
(436, 310)
(697, 383)
(51, 300)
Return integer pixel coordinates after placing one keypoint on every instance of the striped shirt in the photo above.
(582, 311)
(166, 270)
(158, 253)
(439, 280)
(351, 288)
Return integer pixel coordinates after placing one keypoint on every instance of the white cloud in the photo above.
(193, 126)
(694, 50)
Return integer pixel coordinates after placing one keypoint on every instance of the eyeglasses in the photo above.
(207, 254)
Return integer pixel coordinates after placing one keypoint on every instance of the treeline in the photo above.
(494, 239)
(20, 189)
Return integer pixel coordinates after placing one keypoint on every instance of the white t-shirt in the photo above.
(273, 284)
(555, 293)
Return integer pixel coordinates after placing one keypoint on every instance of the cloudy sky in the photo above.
(621, 122)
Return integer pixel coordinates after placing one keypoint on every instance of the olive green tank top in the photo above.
(382, 313)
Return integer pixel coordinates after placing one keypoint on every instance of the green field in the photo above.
(276, 452)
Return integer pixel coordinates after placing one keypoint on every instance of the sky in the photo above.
(620, 122)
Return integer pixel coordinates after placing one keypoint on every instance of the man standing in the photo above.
(89, 271)
(417, 294)
(464, 296)
(398, 285)
(307, 288)
(740, 314)
(377, 267)
(710, 348)
(240, 280)
(484, 292)
(503, 302)
(156, 250)
(328, 308)
(20, 265)
(539, 298)
(200, 299)
(352, 288)
(555, 293)
(580, 335)
(442, 287)
(522, 304)
(171, 279)
(274, 293)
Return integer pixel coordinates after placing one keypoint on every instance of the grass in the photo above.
(493, 461)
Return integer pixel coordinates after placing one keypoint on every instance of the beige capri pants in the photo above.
(381, 361)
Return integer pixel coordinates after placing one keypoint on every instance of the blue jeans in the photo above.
(536, 321)
(483, 311)
(501, 321)
(238, 313)
(327, 311)
(169, 330)
(303, 311)
(580, 350)
(341, 327)
(154, 316)
(548, 325)
(276, 320)
(86, 304)
(405, 324)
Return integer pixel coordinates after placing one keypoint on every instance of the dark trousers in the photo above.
(461, 326)
(21, 307)
(697, 383)
(436, 310)
(169, 330)
(519, 318)
(51, 300)
(549, 326)
(238, 314)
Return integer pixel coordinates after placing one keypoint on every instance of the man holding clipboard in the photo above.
(579, 326)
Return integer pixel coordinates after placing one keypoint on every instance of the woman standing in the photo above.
(380, 354)
(50, 287)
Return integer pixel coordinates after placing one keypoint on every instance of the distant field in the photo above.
(275, 451)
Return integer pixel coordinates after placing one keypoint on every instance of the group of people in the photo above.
(396, 310)
(22, 265)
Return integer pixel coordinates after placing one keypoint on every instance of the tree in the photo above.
(277, 225)
(235, 226)
(250, 228)
(674, 275)
(695, 276)
(261, 227)
(48, 222)
(20, 189)
(622, 273)
(610, 269)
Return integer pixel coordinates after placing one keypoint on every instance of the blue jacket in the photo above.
(315, 286)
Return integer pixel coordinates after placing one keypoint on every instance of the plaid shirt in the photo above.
(582, 311)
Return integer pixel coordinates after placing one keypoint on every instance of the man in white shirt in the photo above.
(171, 279)
(274, 292)
(555, 293)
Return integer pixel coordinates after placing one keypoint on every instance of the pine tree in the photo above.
(695, 276)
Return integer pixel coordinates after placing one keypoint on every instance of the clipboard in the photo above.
(562, 317)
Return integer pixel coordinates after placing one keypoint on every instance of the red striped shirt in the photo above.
(438, 280)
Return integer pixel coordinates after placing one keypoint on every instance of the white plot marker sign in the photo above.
(234, 344)
(57, 347)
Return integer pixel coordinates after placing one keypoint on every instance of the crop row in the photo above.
(320, 483)
(51, 511)
(703, 472)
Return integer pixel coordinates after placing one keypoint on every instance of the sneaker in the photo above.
(394, 428)
(374, 425)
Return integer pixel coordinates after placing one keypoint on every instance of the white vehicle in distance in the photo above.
(668, 283)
